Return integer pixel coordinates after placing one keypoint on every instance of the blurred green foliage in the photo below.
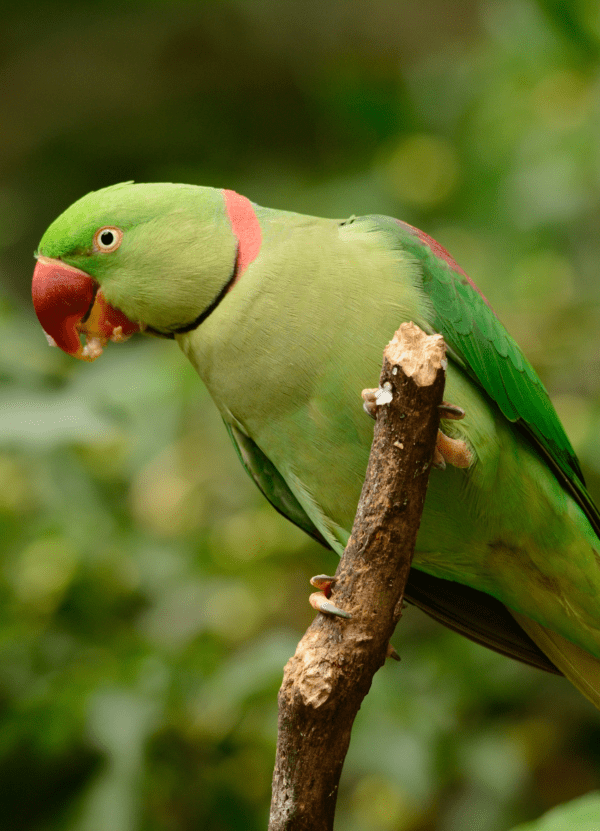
(578, 815)
(149, 596)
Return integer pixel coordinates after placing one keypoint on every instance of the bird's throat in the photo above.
(198, 321)
(247, 230)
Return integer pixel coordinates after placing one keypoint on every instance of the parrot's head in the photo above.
(136, 257)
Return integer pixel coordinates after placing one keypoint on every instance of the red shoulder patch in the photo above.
(441, 252)
(245, 226)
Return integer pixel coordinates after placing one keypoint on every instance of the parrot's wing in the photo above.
(474, 614)
(271, 483)
(479, 343)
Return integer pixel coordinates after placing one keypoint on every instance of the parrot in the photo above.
(284, 317)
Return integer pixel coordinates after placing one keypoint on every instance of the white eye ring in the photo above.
(107, 239)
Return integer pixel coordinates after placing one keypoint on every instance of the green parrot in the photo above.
(285, 318)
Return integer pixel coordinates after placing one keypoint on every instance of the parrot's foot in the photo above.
(451, 451)
(373, 398)
(451, 411)
(447, 451)
(320, 600)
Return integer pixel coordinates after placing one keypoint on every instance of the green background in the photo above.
(149, 597)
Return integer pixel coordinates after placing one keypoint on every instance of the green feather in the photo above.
(270, 482)
(493, 359)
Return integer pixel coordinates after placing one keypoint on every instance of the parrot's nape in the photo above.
(285, 318)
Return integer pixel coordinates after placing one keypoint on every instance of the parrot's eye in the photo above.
(107, 239)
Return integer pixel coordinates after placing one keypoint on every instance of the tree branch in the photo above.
(332, 670)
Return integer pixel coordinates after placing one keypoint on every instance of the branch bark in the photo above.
(333, 667)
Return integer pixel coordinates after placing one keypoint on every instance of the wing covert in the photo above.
(479, 343)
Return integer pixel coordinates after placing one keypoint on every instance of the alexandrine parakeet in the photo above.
(285, 317)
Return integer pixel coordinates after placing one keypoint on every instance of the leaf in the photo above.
(581, 814)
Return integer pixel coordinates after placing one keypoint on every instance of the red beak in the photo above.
(68, 302)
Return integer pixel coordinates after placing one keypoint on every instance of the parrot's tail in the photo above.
(581, 668)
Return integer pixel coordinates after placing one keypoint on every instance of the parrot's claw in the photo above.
(391, 653)
(447, 451)
(369, 409)
(451, 411)
(438, 460)
(369, 397)
(320, 600)
(374, 398)
(451, 451)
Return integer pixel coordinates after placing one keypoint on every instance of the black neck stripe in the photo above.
(188, 327)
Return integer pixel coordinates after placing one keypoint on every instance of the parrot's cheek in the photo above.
(68, 302)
